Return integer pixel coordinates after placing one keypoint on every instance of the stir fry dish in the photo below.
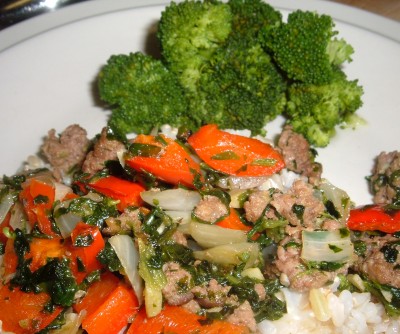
(181, 216)
(203, 232)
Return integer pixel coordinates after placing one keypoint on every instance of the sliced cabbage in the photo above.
(237, 197)
(327, 246)
(6, 203)
(180, 217)
(18, 219)
(232, 254)
(128, 255)
(339, 198)
(61, 190)
(207, 235)
(172, 199)
(154, 279)
(66, 222)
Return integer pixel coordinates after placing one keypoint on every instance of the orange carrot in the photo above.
(173, 164)
(10, 259)
(97, 293)
(38, 198)
(114, 313)
(177, 320)
(43, 249)
(23, 313)
(128, 193)
(234, 154)
(233, 222)
(86, 243)
(38, 188)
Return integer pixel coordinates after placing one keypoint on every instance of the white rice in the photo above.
(347, 313)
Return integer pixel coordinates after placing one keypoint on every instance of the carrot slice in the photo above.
(97, 293)
(374, 217)
(86, 244)
(177, 320)
(128, 193)
(235, 155)
(38, 198)
(23, 313)
(43, 249)
(10, 259)
(233, 222)
(173, 164)
(114, 313)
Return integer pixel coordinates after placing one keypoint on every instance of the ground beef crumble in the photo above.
(104, 150)
(177, 291)
(210, 209)
(385, 180)
(298, 156)
(66, 151)
(375, 264)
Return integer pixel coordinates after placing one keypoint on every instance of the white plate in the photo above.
(48, 67)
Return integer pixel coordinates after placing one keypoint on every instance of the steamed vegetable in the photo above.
(320, 96)
(327, 246)
(142, 92)
(180, 321)
(375, 217)
(164, 158)
(126, 192)
(22, 312)
(236, 64)
(233, 154)
(128, 255)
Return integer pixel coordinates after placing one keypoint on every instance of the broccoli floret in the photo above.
(315, 110)
(143, 94)
(250, 16)
(236, 64)
(242, 90)
(238, 87)
(305, 47)
(189, 33)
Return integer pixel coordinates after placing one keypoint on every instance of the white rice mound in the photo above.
(336, 312)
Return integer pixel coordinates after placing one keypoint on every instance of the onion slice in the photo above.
(172, 199)
(326, 246)
(208, 236)
(232, 254)
(128, 255)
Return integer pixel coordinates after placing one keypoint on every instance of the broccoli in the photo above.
(305, 48)
(250, 16)
(315, 110)
(143, 94)
(236, 64)
(242, 90)
(319, 95)
(189, 33)
(236, 84)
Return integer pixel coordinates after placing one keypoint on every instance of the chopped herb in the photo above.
(108, 258)
(264, 162)
(390, 253)
(83, 240)
(298, 210)
(360, 247)
(144, 150)
(334, 248)
(41, 199)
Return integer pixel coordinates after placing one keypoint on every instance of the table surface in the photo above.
(387, 8)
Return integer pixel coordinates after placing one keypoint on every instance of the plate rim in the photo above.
(37, 25)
